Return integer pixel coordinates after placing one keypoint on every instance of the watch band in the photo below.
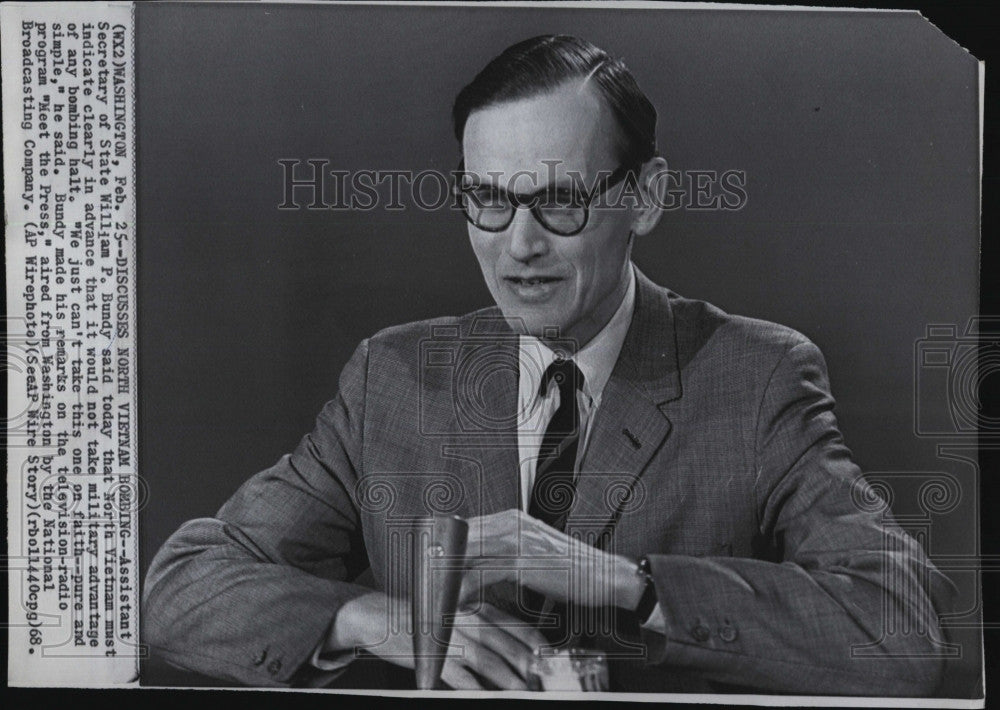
(647, 603)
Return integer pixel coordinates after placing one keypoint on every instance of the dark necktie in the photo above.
(552, 494)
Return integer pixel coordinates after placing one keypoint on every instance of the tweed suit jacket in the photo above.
(715, 452)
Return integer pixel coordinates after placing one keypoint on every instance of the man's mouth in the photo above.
(533, 281)
(533, 289)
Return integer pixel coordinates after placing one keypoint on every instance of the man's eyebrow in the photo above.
(495, 180)
(563, 182)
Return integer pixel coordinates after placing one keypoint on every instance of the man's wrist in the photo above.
(355, 621)
(630, 586)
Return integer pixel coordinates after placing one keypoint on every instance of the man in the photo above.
(591, 420)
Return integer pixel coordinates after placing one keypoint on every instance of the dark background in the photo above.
(858, 134)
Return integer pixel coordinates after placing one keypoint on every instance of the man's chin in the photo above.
(536, 325)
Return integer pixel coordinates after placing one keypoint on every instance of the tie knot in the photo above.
(565, 374)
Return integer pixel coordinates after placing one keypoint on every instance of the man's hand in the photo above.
(488, 649)
(514, 546)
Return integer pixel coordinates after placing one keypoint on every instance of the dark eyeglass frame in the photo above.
(533, 201)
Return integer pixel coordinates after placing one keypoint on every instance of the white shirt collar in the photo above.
(596, 359)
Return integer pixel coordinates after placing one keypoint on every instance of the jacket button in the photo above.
(728, 634)
(261, 657)
(274, 666)
(701, 633)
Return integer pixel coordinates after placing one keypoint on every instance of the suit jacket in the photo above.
(715, 452)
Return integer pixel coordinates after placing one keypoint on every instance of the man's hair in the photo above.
(543, 63)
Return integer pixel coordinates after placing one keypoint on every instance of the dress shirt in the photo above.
(595, 360)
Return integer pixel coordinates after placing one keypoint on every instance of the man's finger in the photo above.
(458, 677)
(520, 632)
(493, 543)
(475, 581)
(482, 649)
(502, 524)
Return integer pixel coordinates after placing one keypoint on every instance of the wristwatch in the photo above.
(647, 602)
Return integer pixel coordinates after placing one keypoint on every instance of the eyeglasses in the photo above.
(561, 210)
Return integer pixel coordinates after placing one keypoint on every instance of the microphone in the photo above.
(438, 563)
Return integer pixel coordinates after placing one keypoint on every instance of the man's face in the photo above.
(543, 280)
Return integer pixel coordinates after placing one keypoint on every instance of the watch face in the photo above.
(647, 602)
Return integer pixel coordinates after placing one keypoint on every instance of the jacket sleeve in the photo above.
(248, 595)
(848, 606)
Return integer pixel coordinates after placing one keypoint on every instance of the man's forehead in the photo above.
(571, 125)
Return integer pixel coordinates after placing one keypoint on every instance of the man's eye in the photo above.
(562, 197)
(486, 197)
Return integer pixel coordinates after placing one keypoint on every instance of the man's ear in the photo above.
(653, 190)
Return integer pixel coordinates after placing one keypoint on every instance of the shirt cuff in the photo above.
(656, 622)
(332, 660)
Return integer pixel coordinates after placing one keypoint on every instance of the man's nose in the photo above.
(527, 238)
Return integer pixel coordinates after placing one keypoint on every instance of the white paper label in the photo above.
(72, 483)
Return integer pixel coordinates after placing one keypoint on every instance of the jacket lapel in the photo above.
(484, 435)
(629, 426)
